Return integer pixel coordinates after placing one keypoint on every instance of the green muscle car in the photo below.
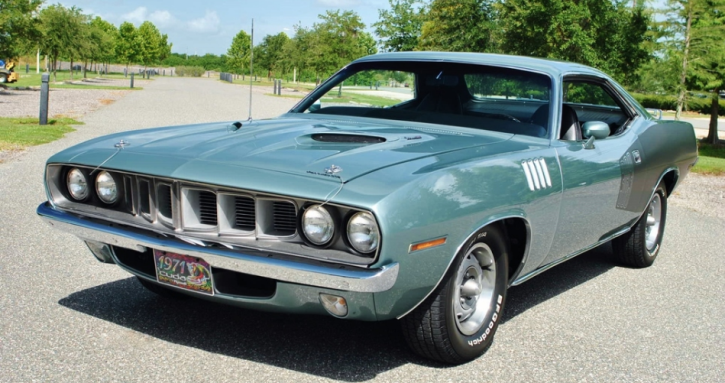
(370, 200)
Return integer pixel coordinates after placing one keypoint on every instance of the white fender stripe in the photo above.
(546, 172)
(528, 175)
(537, 184)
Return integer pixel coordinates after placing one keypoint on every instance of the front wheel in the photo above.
(640, 246)
(3, 78)
(457, 322)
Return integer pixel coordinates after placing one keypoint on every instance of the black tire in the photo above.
(433, 330)
(632, 248)
(166, 292)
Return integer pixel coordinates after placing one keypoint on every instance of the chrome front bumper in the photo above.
(303, 272)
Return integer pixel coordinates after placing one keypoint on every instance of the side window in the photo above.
(587, 93)
(586, 101)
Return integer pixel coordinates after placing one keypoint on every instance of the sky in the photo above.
(208, 26)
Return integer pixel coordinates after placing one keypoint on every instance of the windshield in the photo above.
(472, 96)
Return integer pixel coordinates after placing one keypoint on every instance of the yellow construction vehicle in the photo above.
(7, 74)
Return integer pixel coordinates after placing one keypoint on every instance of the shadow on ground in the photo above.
(317, 345)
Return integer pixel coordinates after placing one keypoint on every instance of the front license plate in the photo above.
(183, 271)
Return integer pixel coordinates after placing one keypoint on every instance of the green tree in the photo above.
(238, 52)
(400, 27)
(268, 54)
(18, 28)
(150, 41)
(339, 38)
(103, 37)
(609, 35)
(164, 47)
(707, 55)
(459, 26)
(64, 33)
(128, 44)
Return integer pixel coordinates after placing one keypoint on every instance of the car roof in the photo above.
(554, 68)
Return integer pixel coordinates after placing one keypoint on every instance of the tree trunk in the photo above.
(683, 75)
(71, 69)
(712, 137)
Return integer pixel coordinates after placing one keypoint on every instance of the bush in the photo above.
(666, 102)
(189, 71)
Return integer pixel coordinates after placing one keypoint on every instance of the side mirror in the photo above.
(596, 129)
(656, 113)
(317, 105)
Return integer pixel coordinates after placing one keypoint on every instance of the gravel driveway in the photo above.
(62, 102)
(66, 317)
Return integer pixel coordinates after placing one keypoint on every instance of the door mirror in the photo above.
(317, 105)
(596, 129)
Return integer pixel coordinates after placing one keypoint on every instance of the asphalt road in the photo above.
(66, 317)
(702, 122)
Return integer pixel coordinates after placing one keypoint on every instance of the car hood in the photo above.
(300, 146)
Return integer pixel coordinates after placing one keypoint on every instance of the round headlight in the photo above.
(318, 225)
(77, 184)
(106, 187)
(362, 232)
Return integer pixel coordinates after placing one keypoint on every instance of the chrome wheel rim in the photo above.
(474, 287)
(654, 218)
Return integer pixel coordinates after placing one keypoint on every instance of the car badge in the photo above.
(333, 169)
(121, 144)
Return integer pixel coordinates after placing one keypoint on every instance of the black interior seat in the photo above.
(570, 128)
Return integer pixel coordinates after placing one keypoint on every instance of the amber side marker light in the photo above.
(427, 244)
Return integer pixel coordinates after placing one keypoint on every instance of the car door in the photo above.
(597, 175)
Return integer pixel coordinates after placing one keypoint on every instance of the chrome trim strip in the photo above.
(458, 249)
(311, 273)
(559, 261)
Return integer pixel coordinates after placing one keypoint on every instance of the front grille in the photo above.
(144, 206)
(207, 208)
(284, 218)
(244, 213)
(164, 201)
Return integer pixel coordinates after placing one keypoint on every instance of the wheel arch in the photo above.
(670, 177)
(514, 227)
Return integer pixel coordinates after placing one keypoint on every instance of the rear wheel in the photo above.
(166, 292)
(457, 322)
(640, 246)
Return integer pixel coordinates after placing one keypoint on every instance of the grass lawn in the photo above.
(19, 133)
(712, 160)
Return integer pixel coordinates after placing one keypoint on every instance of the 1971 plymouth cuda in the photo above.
(484, 172)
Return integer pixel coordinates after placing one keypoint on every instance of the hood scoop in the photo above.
(347, 138)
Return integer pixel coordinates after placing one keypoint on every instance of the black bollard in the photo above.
(44, 88)
(132, 80)
(27, 68)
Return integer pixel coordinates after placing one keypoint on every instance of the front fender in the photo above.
(455, 202)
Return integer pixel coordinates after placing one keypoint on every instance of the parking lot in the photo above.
(67, 317)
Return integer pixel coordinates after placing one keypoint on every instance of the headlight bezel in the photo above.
(115, 184)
